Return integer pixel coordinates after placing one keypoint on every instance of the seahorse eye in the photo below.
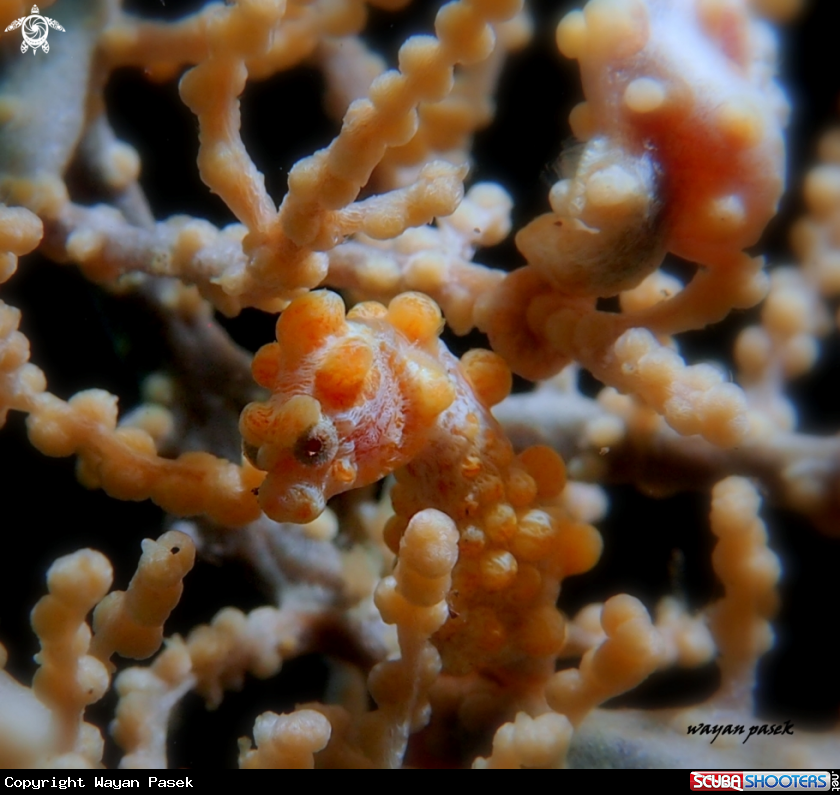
(316, 445)
(312, 447)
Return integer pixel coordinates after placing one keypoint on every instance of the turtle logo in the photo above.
(35, 31)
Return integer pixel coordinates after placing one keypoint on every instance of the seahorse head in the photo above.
(606, 231)
(352, 397)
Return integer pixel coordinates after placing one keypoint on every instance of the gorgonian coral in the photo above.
(419, 530)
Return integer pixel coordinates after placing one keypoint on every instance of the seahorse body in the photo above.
(355, 398)
(683, 149)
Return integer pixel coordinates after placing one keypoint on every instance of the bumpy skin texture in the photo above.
(356, 398)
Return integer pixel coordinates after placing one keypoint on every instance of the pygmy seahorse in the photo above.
(356, 397)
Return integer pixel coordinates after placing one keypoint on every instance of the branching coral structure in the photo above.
(441, 468)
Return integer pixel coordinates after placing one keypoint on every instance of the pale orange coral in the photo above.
(434, 594)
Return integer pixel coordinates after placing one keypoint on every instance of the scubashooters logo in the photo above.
(35, 29)
(767, 781)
